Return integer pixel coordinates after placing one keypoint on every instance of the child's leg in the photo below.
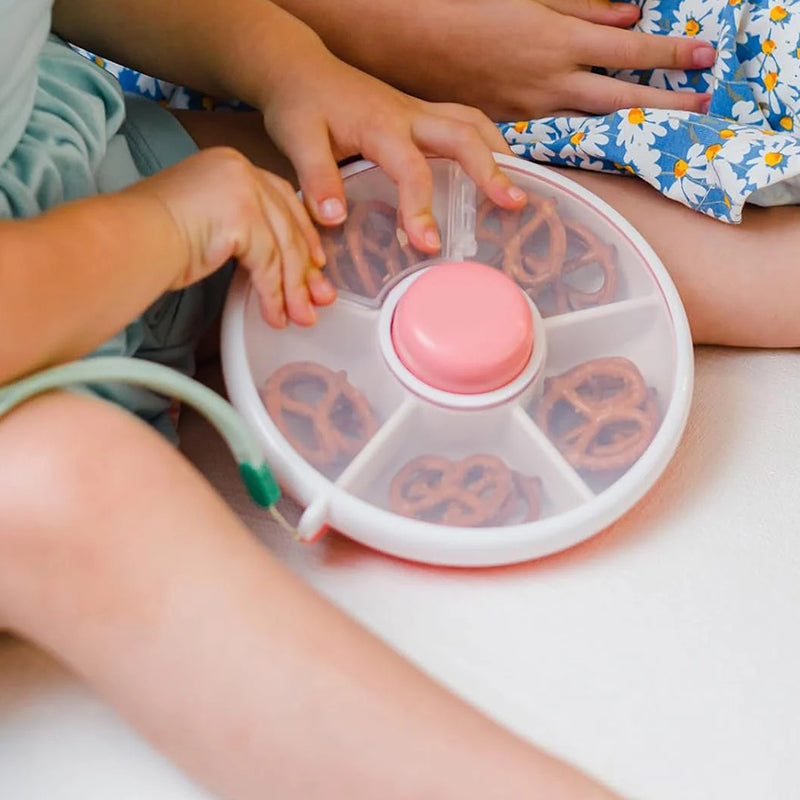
(740, 284)
(117, 556)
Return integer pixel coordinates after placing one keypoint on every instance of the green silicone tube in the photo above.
(255, 472)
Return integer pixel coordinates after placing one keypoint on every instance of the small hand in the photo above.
(330, 111)
(225, 207)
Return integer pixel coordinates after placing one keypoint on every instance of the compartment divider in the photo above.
(357, 466)
(566, 470)
(616, 309)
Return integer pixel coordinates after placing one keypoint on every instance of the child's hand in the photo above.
(224, 207)
(322, 110)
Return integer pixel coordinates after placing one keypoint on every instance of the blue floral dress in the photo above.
(746, 149)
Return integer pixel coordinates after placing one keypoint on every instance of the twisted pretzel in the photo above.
(464, 493)
(477, 491)
(324, 417)
(523, 503)
(496, 225)
(596, 254)
(533, 272)
(600, 414)
(366, 253)
(516, 234)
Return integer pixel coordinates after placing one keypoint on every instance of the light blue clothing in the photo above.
(75, 135)
(23, 30)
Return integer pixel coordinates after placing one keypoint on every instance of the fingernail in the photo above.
(282, 319)
(432, 238)
(706, 105)
(704, 56)
(332, 209)
(517, 194)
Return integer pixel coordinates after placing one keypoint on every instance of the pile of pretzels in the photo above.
(548, 255)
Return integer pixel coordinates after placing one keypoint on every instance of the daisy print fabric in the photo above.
(745, 149)
(163, 92)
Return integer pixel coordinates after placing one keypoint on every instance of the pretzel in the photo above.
(535, 273)
(366, 253)
(596, 253)
(465, 493)
(600, 414)
(496, 225)
(477, 491)
(323, 416)
(523, 503)
(543, 276)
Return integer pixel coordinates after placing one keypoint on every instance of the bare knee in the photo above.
(64, 467)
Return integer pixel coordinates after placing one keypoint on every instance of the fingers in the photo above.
(601, 46)
(298, 212)
(283, 255)
(405, 164)
(599, 94)
(312, 157)
(486, 129)
(602, 12)
(463, 142)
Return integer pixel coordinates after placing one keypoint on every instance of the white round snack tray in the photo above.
(643, 322)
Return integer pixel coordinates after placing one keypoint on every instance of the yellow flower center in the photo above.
(712, 150)
(519, 127)
(778, 13)
(727, 133)
(692, 27)
(773, 159)
(734, 2)
(786, 123)
(680, 168)
(576, 137)
(636, 116)
(770, 80)
(767, 46)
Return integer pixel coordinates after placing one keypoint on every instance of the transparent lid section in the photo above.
(592, 411)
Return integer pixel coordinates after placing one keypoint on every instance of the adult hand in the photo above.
(514, 59)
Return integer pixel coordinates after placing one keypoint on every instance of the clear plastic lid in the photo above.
(383, 427)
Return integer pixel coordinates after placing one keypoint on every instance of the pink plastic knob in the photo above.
(463, 327)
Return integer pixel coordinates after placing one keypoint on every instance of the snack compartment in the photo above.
(465, 469)
(370, 251)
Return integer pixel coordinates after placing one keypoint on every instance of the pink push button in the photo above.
(463, 327)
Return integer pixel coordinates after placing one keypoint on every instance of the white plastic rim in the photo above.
(333, 506)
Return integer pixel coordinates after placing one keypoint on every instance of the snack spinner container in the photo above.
(506, 399)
